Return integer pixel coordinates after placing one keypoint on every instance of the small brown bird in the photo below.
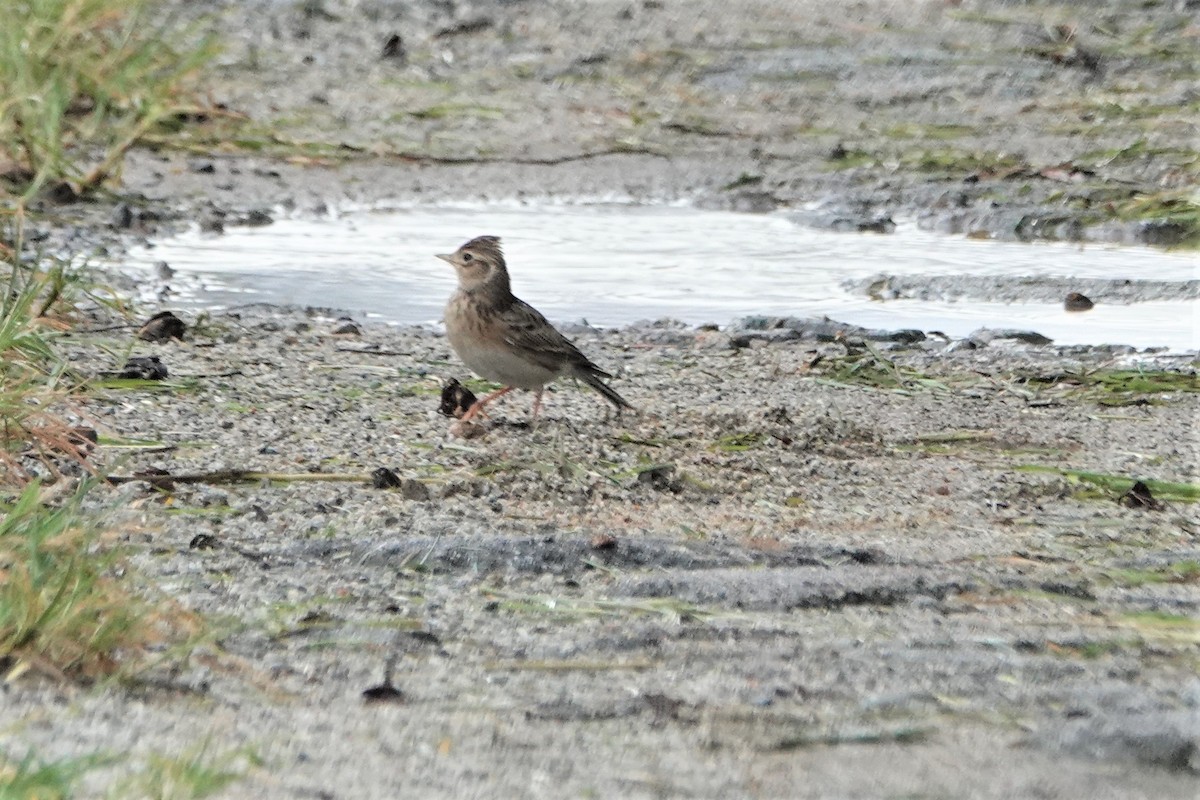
(505, 339)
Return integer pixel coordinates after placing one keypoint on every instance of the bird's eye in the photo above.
(467, 257)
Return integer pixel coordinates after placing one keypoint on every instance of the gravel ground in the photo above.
(802, 569)
(763, 580)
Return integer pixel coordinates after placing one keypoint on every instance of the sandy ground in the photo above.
(803, 569)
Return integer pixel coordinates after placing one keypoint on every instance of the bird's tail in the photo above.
(592, 379)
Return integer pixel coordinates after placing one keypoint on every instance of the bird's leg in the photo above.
(477, 407)
(537, 406)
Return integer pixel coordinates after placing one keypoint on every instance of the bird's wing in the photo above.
(528, 332)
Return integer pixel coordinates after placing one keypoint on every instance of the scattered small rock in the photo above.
(467, 430)
(256, 218)
(81, 435)
(1079, 591)
(162, 327)
(1166, 739)
(904, 336)
(204, 541)
(384, 478)
(163, 271)
(821, 329)
(146, 368)
(661, 478)
(413, 489)
(122, 217)
(1061, 46)
(1139, 496)
(456, 399)
(742, 341)
(393, 48)
(425, 637)
(1163, 232)
(346, 327)
(603, 541)
(985, 336)
(212, 223)
(1078, 302)
(385, 692)
(854, 218)
(662, 706)
(753, 202)
(466, 26)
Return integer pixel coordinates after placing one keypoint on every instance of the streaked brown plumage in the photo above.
(503, 338)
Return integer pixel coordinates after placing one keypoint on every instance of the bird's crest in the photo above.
(488, 244)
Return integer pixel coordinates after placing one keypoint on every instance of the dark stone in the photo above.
(257, 218)
(413, 489)
(1163, 233)
(384, 478)
(147, 368)
(1139, 496)
(393, 48)
(464, 27)
(456, 399)
(1076, 590)
(603, 541)
(212, 223)
(661, 478)
(122, 217)
(985, 336)
(162, 327)
(346, 327)
(383, 693)
(1078, 302)
(80, 435)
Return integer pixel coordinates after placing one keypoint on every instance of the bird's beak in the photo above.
(447, 257)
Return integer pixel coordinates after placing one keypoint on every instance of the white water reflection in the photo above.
(615, 264)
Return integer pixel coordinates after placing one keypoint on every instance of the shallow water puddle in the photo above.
(616, 264)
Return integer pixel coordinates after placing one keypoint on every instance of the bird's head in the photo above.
(479, 264)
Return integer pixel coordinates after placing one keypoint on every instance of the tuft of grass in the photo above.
(195, 773)
(84, 81)
(31, 777)
(444, 110)
(870, 368)
(668, 608)
(1162, 627)
(953, 163)
(909, 735)
(743, 180)
(846, 158)
(1179, 572)
(62, 610)
(911, 130)
(739, 442)
(965, 443)
(1174, 214)
(1122, 387)
(34, 384)
(1116, 485)
(1090, 649)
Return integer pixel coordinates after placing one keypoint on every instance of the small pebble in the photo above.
(1078, 302)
